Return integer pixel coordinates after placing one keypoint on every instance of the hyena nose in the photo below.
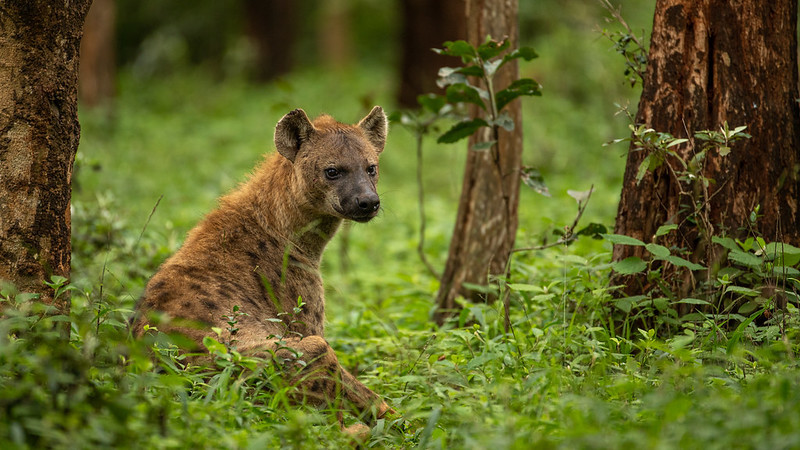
(369, 202)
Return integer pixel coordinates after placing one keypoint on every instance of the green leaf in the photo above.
(521, 287)
(504, 121)
(626, 303)
(432, 102)
(784, 254)
(677, 142)
(460, 48)
(621, 239)
(678, 261)
(595, 230)
(748, 307)
(629, 265)
(642, 170)
(663, 230)
(534, 179)
(471, 71)
(450, 75)
(214, 346)
(659, 251)
(490, 48)
(693, 301)
(526, 53)
(726, 242)
(483, 146)
(744, 258)
(461, 130)
(464, 93)
(748, 292)
(523, 86)
(490, 67)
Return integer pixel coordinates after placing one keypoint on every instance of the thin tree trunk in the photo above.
(486, 224)
(98, 66)
(426, 25)
(710, 62)
(335, 36)
(270, 26)
(39, 134)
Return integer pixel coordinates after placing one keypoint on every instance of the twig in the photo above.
(569, 232)
(421, 200)
(148, 220)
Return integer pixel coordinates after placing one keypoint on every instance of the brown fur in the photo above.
(261, 250)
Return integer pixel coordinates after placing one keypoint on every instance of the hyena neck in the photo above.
(280, 213)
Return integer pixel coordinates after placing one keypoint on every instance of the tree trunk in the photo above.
(711, 62)
(335, 35)
(98, 66)
(486, 224)
(270, 26)
(39, 134)
(426, 25)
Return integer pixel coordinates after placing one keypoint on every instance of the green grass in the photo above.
(562, 378)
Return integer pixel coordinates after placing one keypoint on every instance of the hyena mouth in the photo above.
(363, 209)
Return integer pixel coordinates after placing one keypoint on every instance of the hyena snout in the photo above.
(362, 206)
(368, 203)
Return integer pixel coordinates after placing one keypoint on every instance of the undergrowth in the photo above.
(574, 369)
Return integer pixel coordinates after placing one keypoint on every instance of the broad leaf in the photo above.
(491, 49)
(663, 230)
(786, 254)
(693, 301)
(523, 86)
(450, 75)
(432, 102)
(742, 290)
(678, 261)
(659, 251)
(595, 230)
(490, 67)
(621, 239)
(464, 93)
(744, 258)
(726, 242)
(503, 121)
(642, 169)
(534, 179)
(483, 146)
(526, 53)
(629, 265)
(461, 130)
(460, 48)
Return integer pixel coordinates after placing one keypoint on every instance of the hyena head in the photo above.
(335, 165)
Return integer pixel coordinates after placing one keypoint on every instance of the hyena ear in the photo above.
(375, 126)
(290, 133)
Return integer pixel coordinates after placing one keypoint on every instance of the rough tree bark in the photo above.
(39, 132)
(710, 62)
(426, 25)
(97, 74)
(486, 224)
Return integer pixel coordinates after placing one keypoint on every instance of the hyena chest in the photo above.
(295, 298)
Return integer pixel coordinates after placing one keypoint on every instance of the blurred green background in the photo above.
(190, 115)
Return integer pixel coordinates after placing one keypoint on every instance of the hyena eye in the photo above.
(331, 173)
(372, 170)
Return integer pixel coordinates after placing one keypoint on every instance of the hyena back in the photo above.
(261, 250)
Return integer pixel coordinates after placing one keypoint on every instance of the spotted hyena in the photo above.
(261, 250)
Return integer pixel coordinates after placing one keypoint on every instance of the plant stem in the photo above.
(421, 200)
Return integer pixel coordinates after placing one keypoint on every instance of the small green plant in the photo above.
(627, 44)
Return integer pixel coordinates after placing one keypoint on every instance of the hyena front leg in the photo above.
(320, 379)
